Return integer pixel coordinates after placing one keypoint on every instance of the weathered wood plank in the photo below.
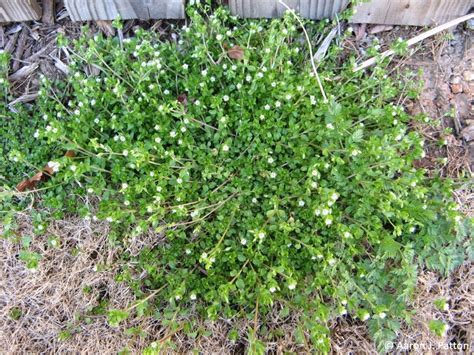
(84, 10)
(411, 12)
(19, 10)
(313, 9)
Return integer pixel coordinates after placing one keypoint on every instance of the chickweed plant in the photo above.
(260, 192)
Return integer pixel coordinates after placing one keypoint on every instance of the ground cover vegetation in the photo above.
(261, 185)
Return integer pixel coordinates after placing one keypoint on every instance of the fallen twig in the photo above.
(310, 51)
(416, 39)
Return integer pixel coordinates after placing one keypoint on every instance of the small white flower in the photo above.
(292, 286)
(193, 297)
(73, 168)
(40, 227)
(243, 241)
(288, 97)
(328, 221)
(270, 160)
(183, 129)
(413, 184)
(219, 37)
(458, 218)
(301, 203)
(126, 203)
(273, 175)
(329, 126)
(239, 86)
(225, 148)
(225, 98)
(355, 152)
(317, 212)
(177, 297)
(90, 190)
(166, 92)
(109, 219)
(262, 117)
(233, 67)
(179, 180)
(188, 251)
(173, 134)
(382, 315)
(272, 289)
(326, 212)
(204, 72)
(185, 66)
(248, 78)
(343, 312)
(122, 138)
(365, 316)
(157, 140)
(125, 153)
(332, 262)
(54, 166)
(197, 102)
(278, 104)
(261, 235)
(124, 186)
(344, 302)
(267, 107)
(151, 86)
(159, 188)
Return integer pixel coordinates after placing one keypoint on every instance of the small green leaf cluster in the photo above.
(257, 188)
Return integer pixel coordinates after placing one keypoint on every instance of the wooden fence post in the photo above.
(313, 9)
(19, 10)
(411, 12)
(84, 10)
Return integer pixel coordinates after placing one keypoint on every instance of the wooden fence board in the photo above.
(313, 9)
(19, 10)
(83, 10)
(411, 12)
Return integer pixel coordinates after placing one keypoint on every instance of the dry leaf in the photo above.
(106, 27)
(70, 154)
(24, 185)
(183, 100)
(48, 170)
(236, 52)
(37, 177)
